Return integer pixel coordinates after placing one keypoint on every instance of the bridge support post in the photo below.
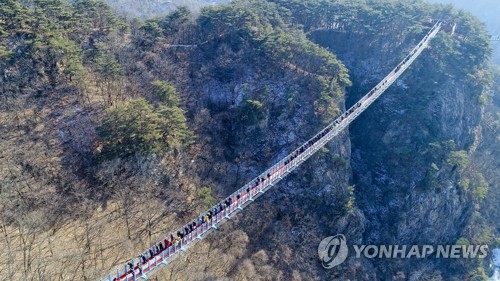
(163, 261)
(182, 247)
(149, 269)
(199, 231)
(213, 225)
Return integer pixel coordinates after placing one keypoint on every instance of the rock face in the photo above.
(391, 161)
(392, 191)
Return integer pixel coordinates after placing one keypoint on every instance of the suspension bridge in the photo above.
(163, 252)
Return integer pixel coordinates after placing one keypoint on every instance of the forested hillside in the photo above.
(155, 8)
(115, 131)
(487, 11)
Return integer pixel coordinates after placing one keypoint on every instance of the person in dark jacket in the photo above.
(140, 268)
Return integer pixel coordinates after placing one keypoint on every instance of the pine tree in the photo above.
(166, 93)
(129, 129)
(143, 128)
(68, 57)
(107, 67)
(175, 131)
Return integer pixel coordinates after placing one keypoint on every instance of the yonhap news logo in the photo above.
(333, 251)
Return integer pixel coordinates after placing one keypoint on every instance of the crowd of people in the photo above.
(174, 243)
(322, 134)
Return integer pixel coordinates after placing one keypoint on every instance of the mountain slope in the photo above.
(154, 8)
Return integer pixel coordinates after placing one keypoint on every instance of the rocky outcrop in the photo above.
(391, 153)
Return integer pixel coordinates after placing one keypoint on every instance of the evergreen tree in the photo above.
(175, 131)
(68, 58)
(129, 129)
(166, 93)
(144, 128)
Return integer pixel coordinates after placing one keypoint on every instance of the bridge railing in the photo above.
(256, 187)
